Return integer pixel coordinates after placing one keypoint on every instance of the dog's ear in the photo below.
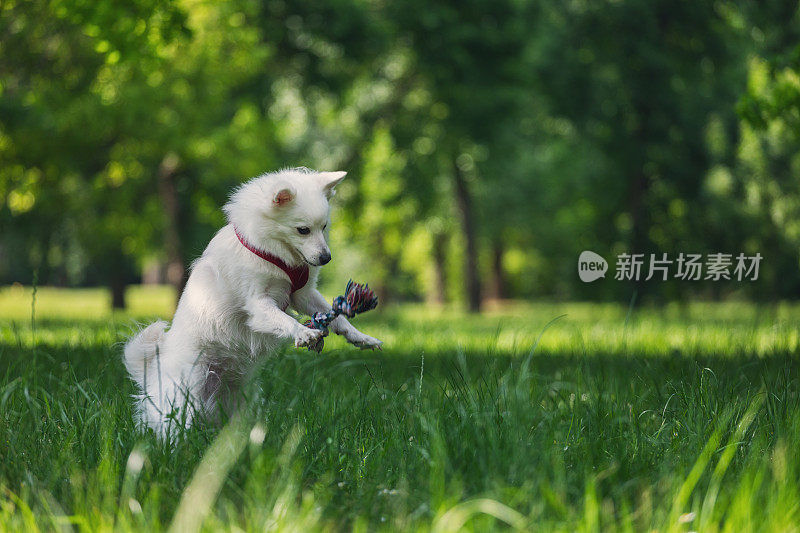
(283, 196)
(330, 180)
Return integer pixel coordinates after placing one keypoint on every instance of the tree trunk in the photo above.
(43, 269)
(176, 270)
(639, 229)
(637, 198)
(472, 282)
(439, 291)
(380, 284)
(117, 286)
(638, 191)
(498, 287)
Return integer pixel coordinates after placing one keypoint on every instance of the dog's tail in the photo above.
(141, 349)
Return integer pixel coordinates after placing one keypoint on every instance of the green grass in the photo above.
(676, 419)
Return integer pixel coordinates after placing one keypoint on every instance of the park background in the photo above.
(487, 143)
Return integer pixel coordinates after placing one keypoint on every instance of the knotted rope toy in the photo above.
(357, 299)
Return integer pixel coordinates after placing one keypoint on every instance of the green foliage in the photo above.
(668, 419)
(770, 139)
(625, 126)
(62, 122)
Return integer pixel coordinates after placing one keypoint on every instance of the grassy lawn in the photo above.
(539, 416)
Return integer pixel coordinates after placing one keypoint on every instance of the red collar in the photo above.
(297, 275)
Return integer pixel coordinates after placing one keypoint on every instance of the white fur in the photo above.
(233, 309)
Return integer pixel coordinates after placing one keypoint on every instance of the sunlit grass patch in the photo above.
(18, 302)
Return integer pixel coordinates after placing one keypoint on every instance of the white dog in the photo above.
(233, 309)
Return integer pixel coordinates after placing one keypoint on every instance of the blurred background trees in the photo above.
(487, 142)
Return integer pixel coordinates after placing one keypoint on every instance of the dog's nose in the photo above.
(325, 258)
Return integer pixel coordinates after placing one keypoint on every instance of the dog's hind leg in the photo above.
(173, 393)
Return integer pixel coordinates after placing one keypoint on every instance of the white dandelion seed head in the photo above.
(257, 435)
(135, 462)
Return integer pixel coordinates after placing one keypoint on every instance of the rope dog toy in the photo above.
(357, 299)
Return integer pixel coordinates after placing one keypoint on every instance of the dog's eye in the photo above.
(323, 227)
(302, 230)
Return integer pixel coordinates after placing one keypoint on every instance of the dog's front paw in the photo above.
(365, 342)
(307, 337)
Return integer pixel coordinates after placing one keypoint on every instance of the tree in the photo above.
(467, 55)
(642, 81)
(59, 124)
